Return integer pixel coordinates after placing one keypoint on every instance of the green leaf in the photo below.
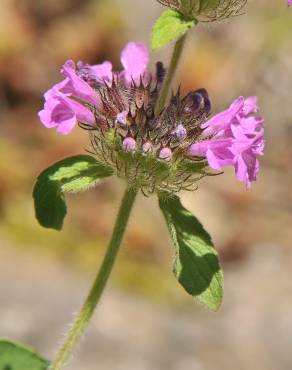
(196, 264)
(72, 174)
(170, 26)
(14, 356)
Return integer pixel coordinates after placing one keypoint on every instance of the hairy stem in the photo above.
(95, 293)
(177, 51)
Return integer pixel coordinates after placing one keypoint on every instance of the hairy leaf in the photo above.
(196, 264)
(72, 174)
(14, 356)
(170, 26)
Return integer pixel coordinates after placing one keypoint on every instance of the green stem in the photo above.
(95, 293)
(177, 51)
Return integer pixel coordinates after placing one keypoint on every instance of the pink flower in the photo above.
(98, 73)
(245, 153)
(76, 86)
(289, 2)
(62, 112)
(134, 59)
(233, 138)
(239, 110)
(61, 109)
(217, 152)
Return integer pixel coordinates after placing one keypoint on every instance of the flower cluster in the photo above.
(167, 152)
(236, 140)
(206, 10)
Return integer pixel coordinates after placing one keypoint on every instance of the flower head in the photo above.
(165, 152)
(206, 10)
(234, 137)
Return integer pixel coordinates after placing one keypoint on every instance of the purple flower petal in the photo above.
(237, 140)
(246, 168)
(62, 112)
(250, 105)
(134, 58)
(222, 121)
(76, 86)
(250, 125)
(245, 152)
(98, 72)
(217, 152)
(66, 126)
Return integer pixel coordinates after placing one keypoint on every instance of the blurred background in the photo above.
(146, 321)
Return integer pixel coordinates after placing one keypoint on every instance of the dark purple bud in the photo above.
(160, 72)
(207, 103)
(129, 144)
(196, 101)
(165, 154)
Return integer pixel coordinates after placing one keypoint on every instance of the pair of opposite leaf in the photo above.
(196, 264)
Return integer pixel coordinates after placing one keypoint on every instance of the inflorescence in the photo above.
(168, 152)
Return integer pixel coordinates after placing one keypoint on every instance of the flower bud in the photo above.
(129, 144)
(165, 154)
(147, 147)
(180, 132)
(122, 118)
(196, 102)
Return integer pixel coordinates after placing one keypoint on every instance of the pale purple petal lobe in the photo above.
(98, 72)
(76, 85)
(134, 58)
(62, 112)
